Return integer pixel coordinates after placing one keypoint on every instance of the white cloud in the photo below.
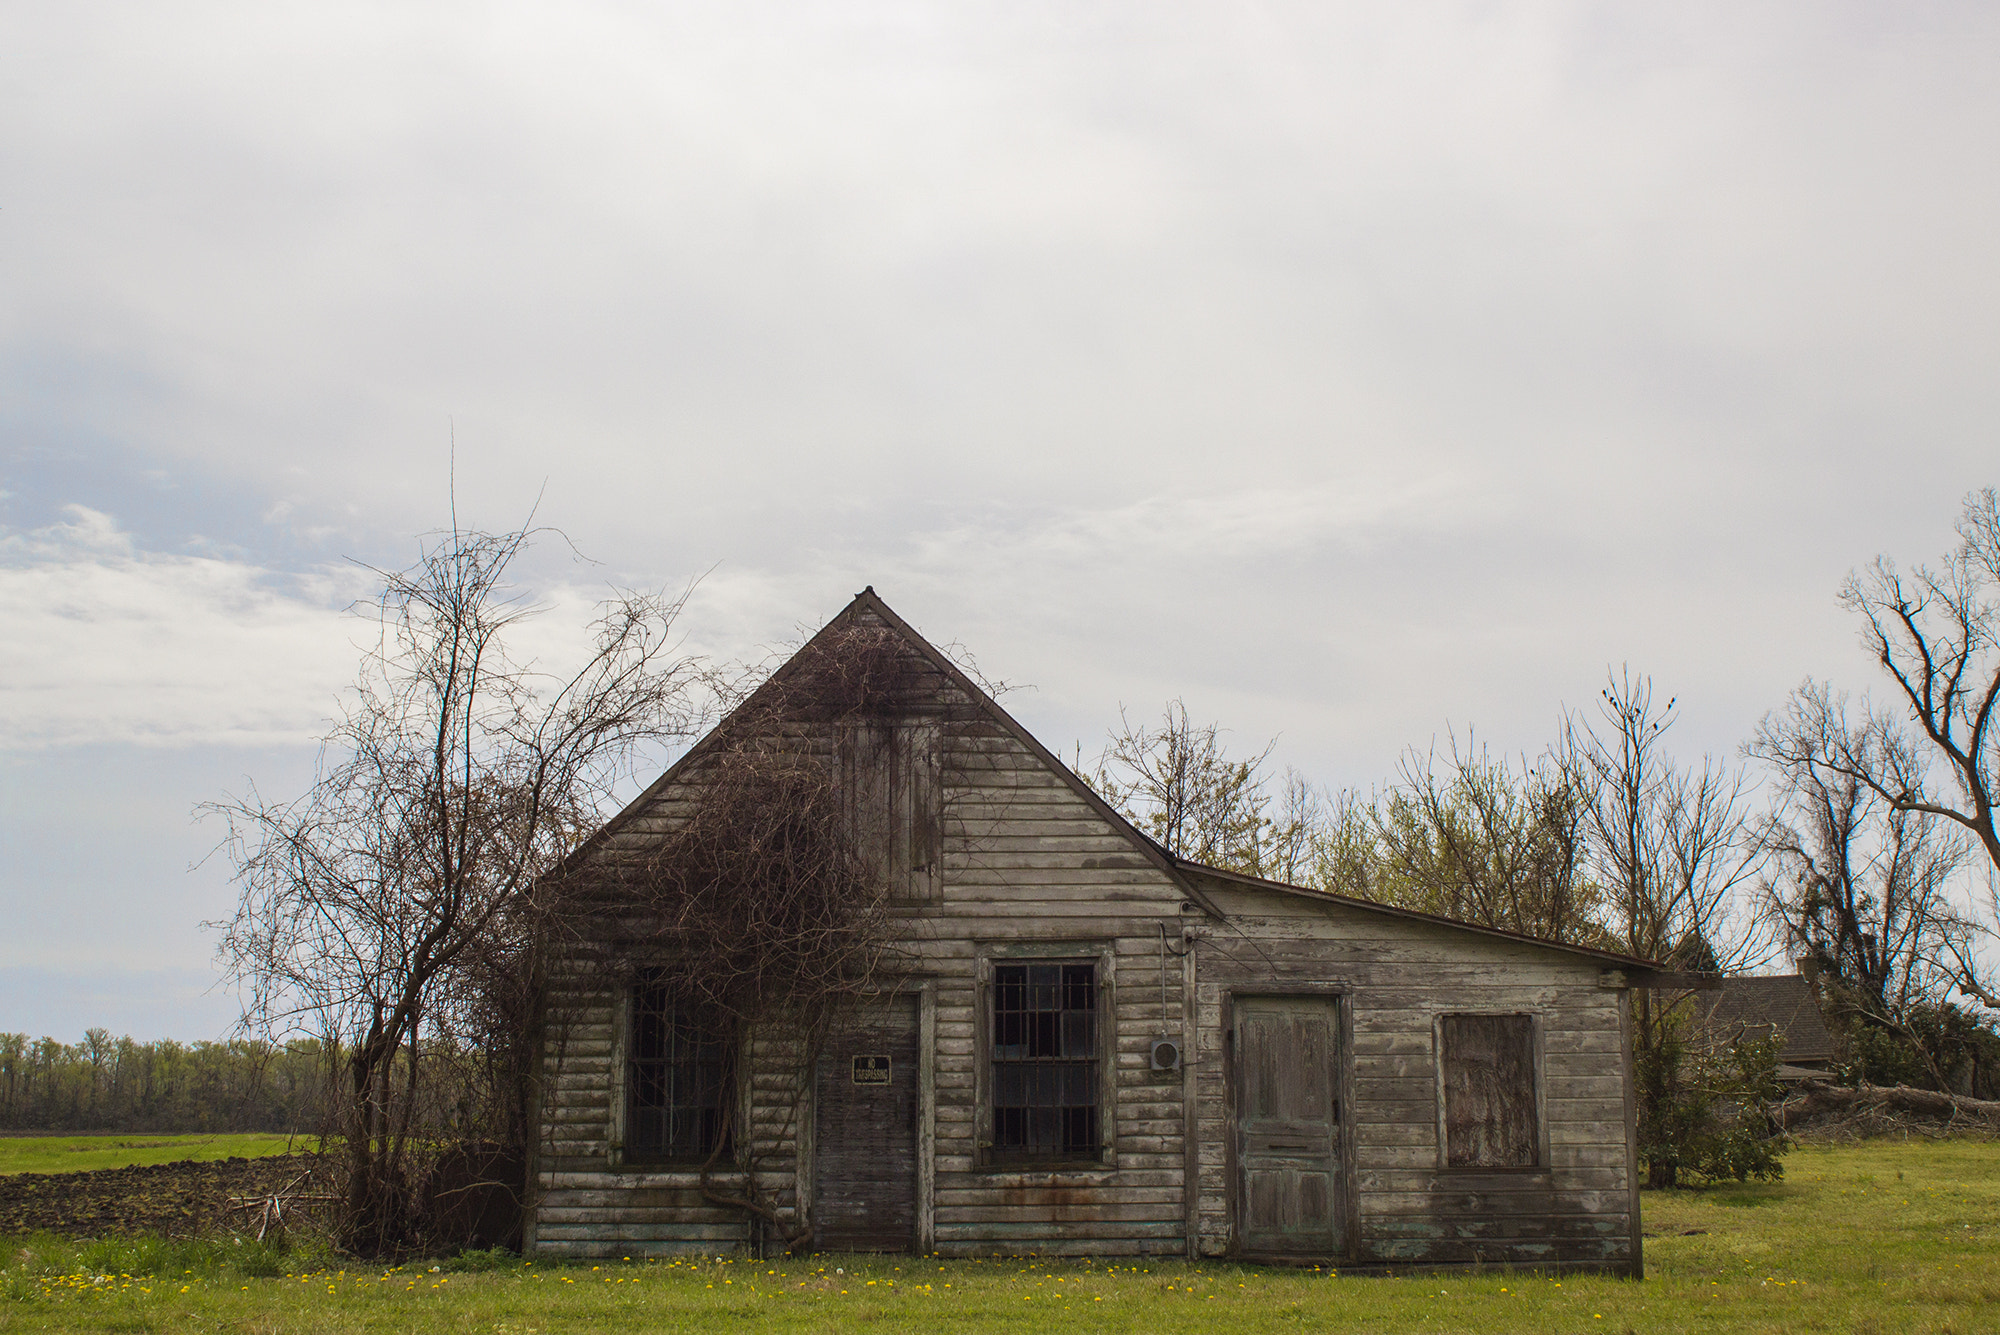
(112, 643)
(109, 643)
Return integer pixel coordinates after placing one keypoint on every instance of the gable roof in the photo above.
(1178, 870)
(869, 603)
(1784, 1004)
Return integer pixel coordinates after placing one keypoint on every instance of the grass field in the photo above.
(1866, 1240)
(75, 1154)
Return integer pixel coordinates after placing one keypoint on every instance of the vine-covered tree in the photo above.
(391, 910)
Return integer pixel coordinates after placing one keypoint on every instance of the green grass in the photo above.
(1868, 1239)
(76, 1154)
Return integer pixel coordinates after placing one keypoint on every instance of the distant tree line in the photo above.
(116, 1084)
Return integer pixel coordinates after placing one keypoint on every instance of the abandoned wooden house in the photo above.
(1065, 1040)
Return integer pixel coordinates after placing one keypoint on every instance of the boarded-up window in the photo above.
(890, 793)
(1045, 1062)
(1490, 1114)
(676, 1079)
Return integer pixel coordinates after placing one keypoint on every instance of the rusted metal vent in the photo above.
(1166, 1054)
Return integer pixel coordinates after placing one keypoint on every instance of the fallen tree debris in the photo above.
(1819, 1108)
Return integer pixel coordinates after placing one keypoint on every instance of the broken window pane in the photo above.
(1045, 1061)
(677, 1073)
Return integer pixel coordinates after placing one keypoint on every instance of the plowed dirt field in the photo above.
(172, 1198)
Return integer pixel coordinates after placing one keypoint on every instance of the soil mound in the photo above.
(170, 1198)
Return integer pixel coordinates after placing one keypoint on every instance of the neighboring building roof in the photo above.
(1784, 1004)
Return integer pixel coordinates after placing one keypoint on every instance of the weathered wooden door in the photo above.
(865, 1143)
(1289, 1192)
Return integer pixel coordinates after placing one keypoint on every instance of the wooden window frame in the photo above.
(1536, 1046)
(619, 1153)
(1103, 957)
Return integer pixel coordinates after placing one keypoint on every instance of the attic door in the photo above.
(865, 1140)
(890, 798)
(1289, 1196)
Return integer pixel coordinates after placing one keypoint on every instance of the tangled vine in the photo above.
(756, 902)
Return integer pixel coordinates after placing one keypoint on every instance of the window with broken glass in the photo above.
(1046, 1073)
(676, 1081)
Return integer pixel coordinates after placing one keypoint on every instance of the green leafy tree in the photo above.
(1705, 1110)
(1472, 837)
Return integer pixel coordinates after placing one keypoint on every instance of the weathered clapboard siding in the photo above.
(1030, 867)
(1396, 976)
(1021, 849)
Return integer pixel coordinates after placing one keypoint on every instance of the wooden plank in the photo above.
(600, 1233)
(927, 1042)
(595, 1250)
(1036, 1198)
(1099, 1179)
(1001, 876)
(1061, 835)
(1595, 1227)
(1481, 1204)
(1079, 908)
(1107, 1247)
(579, 1146)
(1577, 1132)
(1404, 1089)
(1018, 1233)
(1392, 1112)
(1429, 1178)
(1368, 1134)
(1116, 1213)
(581, 1096)
(552, 1215)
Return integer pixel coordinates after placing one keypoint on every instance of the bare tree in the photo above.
(1670, 847)
(1293, 839)
(1859, 885)
(1668, 842)
(1936, 632)
(391, 907)
(1178, 783)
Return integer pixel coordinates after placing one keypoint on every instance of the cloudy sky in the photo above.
(1349, 370)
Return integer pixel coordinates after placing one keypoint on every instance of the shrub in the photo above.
(1705, 1112)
